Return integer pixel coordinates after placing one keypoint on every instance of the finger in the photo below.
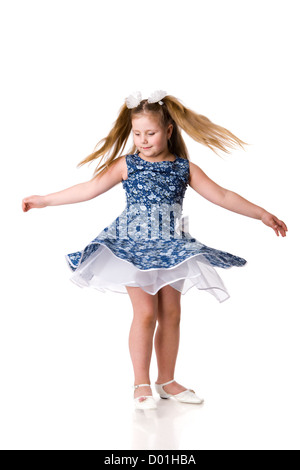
(278, 225)
(282, 232)
(277, 221)
(25, 204)
(281, 223)
(283, 228)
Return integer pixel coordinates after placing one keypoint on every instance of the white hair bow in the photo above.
(132, 101)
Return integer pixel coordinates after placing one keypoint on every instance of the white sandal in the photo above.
(187, 396)
(147, 404)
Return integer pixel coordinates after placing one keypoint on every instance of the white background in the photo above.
(66, 374)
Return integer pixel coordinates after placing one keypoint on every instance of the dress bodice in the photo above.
(155, 182)
(154, 196)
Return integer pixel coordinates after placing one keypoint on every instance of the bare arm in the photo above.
(230, 200)
(236, 203)
(80, 192)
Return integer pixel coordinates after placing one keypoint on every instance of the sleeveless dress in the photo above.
(148, 245)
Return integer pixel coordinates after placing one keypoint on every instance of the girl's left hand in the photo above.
(276, 224)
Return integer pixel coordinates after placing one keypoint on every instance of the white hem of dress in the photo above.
(83, 274)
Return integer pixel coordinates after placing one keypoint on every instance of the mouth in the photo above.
(146, 148)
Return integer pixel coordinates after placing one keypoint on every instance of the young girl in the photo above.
(147, 251)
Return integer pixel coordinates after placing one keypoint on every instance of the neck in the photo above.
(162, 156)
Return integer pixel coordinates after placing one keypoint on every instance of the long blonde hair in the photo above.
(197, 126)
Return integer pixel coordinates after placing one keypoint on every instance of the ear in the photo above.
(169, 130)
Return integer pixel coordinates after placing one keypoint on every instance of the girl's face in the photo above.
(150, 138)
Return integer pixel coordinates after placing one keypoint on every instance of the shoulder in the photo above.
(194, 168)
(194, 172)
(121, 166)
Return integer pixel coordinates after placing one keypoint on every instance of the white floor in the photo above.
(66, 375)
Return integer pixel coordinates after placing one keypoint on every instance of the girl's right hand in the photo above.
(33, 202)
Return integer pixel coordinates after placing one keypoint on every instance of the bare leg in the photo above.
(167, 337)
(141, 335)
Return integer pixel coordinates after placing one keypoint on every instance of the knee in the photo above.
(147, 317)
(171, 316)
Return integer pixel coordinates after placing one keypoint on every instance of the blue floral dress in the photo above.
(148, 245)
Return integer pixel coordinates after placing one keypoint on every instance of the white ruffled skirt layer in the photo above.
(103, 270)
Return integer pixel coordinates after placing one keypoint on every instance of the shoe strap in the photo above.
(167, 383)
(141, 385)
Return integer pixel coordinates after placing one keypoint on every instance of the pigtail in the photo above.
(200, 128)
(113, 144)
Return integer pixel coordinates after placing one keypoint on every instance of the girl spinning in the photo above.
(147, 252)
